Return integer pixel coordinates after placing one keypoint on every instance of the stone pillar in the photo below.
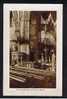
(53, 61)
(26, 24)
(45, 50)
(21, 23)
(42, 61)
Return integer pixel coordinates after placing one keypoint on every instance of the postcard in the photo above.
(32, 43)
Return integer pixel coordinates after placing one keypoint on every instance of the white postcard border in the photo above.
(32, 91)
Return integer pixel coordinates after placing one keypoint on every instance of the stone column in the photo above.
(26, 23)
(53, 61)
(21, 23)
(26, 30)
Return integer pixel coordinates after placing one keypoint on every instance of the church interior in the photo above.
(33, 49)
(32, 37)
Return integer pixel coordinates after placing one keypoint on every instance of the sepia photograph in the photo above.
(32, 49)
